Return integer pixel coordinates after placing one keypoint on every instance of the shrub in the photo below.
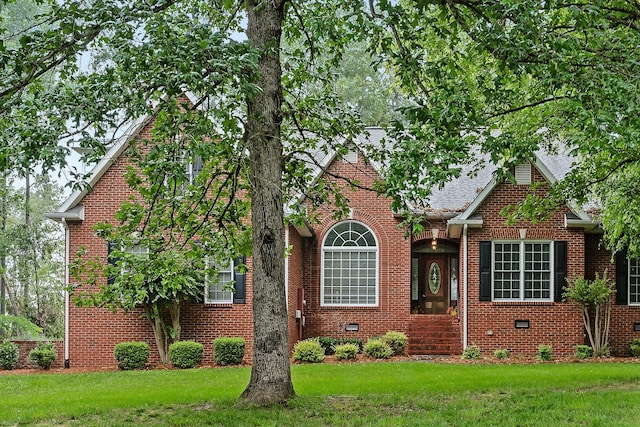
(378, 349)
(501, 353)
(583, 352)
(545, 353)
(308, 350)
(605, 351)
(228, 351)
(472, 352)
(346, 351)
(131, 355)
(356, 341)
(8, 355)
(186, 354)
(328, 344)
(634, 346)
(397, 341)
(43, 355)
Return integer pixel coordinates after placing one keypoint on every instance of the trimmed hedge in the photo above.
(583, 352)
(397, 341)
(186, 354)
(131, 355)
(8, 355)
(378, 349)
(634, 347)
(346, 351)
(228, 351)
(308, 350)
(43, 355)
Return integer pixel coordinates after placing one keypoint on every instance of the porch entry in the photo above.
(434, 280)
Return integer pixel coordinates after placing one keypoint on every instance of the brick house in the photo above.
(467, 279)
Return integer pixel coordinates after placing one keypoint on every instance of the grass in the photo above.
(382, 394)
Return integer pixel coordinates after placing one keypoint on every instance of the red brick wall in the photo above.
(394, 255)
(491, 324)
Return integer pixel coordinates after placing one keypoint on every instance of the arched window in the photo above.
(349, 266)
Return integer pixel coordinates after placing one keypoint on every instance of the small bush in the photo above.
(131, 355)
(583, 352)
(605, 351)
(328, 344)
(634, 346)
(43, 355)
(378, 349)
(397, 341)
(501, 353)
(356, 341)
(186, 354)
(8, 355)
(228, 351)
(346, 351)
(472, 352)
(545, 353)
(308, 350)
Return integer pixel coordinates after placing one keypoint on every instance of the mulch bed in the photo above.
(455, 359)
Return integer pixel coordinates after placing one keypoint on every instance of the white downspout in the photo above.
(465, 328)
(286, 266)
(66, 292)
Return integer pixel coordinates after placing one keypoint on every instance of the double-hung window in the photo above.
(634, 281)
(130, 252)
(228, 285)
(522, 271)
(349, 266)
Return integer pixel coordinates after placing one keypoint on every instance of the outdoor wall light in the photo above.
(434, 238)
(636, 326)
(352, 327)
(522, 324)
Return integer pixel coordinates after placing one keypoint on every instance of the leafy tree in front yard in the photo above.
(594, 299)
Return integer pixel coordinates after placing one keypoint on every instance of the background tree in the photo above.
(33, 255)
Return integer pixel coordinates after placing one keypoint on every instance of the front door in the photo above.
(434, 283)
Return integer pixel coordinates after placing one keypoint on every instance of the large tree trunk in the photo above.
(270, 374)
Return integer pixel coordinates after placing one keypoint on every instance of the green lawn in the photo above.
(362, 394)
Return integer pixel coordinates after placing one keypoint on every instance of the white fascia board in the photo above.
(479, 199)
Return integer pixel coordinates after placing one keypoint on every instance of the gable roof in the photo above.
(456, 201)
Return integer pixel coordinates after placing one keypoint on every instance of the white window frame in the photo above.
(521, 261)
(230, 269)
(342, 249)
(635, 277)
(135, 250)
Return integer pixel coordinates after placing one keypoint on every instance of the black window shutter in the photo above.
(560, 269)
(485, 271)
(239, 296)
(111, 246)
(622, 286)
